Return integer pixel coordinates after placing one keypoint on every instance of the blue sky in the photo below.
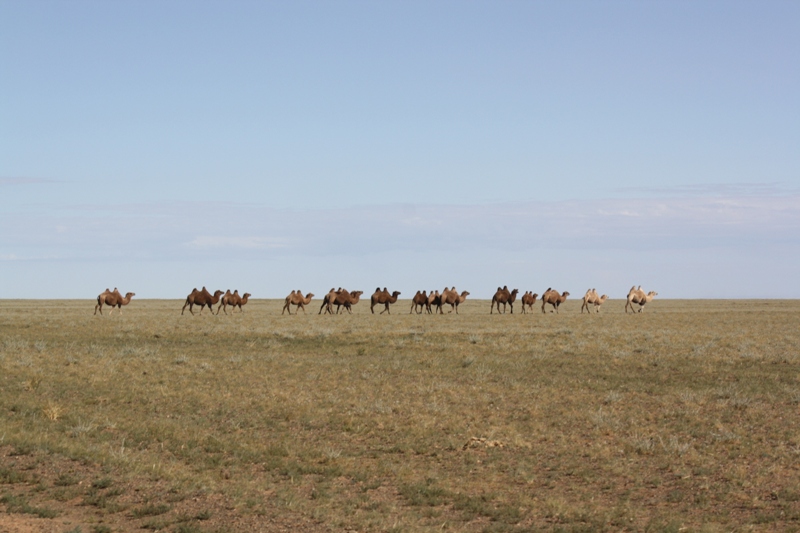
(269, 146)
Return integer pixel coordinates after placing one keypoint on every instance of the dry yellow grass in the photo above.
(687, 415)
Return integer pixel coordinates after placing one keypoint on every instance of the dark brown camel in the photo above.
(419, 302)
(434, 300)
(504, 296)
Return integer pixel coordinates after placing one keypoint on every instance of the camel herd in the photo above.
(422, 301)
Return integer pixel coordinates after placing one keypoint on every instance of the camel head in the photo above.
(216, 293)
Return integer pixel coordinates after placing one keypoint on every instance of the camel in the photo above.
(202, 298)
(552, 297)
(529, 298)
(383, 297)
(339, 298)
(419, 301)
(440, 299)
(503, 296)
(347, 300)
(326, 300)
(637, 296)
(452, 299)
(234, 300)
(296, 298)
(591, 298)
(112, 299)
(434, 300)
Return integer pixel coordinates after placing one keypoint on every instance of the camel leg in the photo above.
(98, 306)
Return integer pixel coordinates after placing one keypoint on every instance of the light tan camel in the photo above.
(552, 297)
(591, 298)
(453, 299)
(383, 297)
(202, 298)
(112, 299)
(637, 296)
(503, 296)
(296, 298)
(419, 302)
(528, 299)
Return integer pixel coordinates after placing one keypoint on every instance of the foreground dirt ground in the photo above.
(686, 417)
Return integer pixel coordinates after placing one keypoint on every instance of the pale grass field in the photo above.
(684, 416)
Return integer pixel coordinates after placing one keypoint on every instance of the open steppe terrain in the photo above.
(684, 417)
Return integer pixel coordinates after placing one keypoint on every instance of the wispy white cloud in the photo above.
(250, 243)
(153, 231)
(25, 181)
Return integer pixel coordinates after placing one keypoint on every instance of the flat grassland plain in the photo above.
(686, 416)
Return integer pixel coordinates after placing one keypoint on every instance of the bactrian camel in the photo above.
(296, 298)
(234, 300)
(419, 302)
(591, 298)
(112, 299)
(382, 297)
(553, 298)
(637, 296)
(339, 298)
(434, 300)
(503, 296)
(453, 299)
(528, 299)
(202, 298)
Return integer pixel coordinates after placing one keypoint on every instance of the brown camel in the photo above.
(503, 296)
(234, 300)
(112, 299)
(202, 298)
(326, 300)
(529, 298)
(552, 297)
(591, 298)
(637, 296)
(453, 299)
(419, 301)
(296, 298)
(383, 297)
(434, 300)
(347, 300)
(440, 300)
